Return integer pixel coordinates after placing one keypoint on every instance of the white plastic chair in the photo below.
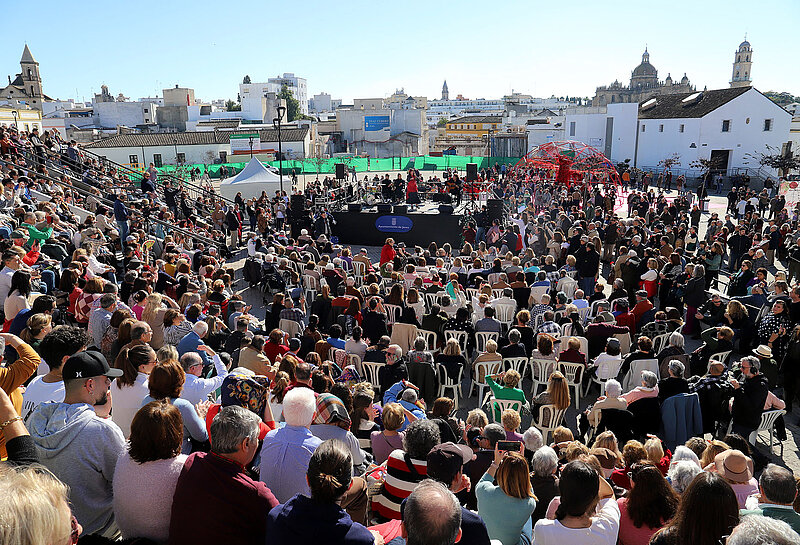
(502, 405)
(573, 372)
(483, 368)
(355, 361)
(593, 306)
(537, 292)
(392, 313)
(371, 371)
(482, 337)
(517, 364)
(583, 313)
(432, 298)
(721, 356)
(430, 338)
(460, 336)
(541, 369)
(549, 419)
(584, 344)
(311, 287)
(569, 288)
(768, 419)
(660, 341)
(446, 383)
(505, 315)
(606, 370)
(359, 272)
(634, 376)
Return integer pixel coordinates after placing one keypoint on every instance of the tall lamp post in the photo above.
(251, 147)
(277, 124)
(15, 114)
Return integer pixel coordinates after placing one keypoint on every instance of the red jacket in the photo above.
(387, 254)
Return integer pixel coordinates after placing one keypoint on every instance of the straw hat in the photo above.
(763, 351)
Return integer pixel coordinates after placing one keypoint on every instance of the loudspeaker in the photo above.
(400, 209)
(340, 175)
(446, 209)
(354, 207)
(384, 208)
(441, 197)
(494, 207)
(472, 172)
(298, 202)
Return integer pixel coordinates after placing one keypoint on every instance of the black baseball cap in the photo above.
(88, 364)
(446, 459)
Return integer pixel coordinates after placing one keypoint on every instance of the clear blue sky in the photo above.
(368, 48)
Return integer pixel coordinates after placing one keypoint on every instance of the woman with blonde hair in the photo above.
(451, 358)
(477, 418)
(153, 314)
(505, 498)
(491, 357)
(34, 508)
(557, 394)
(713, 448)
(508, 389)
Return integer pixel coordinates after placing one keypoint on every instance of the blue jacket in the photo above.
(120, 211)
(391, 397)
(289, 523)
(681, 419)
(190, 343)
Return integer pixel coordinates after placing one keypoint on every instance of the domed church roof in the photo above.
(645, 68)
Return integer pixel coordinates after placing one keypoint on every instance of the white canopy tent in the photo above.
(251, 181)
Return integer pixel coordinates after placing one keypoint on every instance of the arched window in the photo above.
(739, 58)
(748, 58)
(737, 73)
(30, 73)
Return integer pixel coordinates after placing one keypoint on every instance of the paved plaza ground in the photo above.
(718, 203)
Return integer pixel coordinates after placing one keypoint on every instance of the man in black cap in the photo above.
(77, 441)
(446, 465)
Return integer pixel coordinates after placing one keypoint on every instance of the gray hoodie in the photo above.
(81, 449)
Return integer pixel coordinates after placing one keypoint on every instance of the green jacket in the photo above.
(779, 512)
(502, 392)
(36, 234)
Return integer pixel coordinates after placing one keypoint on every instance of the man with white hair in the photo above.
(192, 341)
(612, 400)
(760, 530)
(286, 451)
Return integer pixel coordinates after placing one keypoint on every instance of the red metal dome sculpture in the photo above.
(574, 162)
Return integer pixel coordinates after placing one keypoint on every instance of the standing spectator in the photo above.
(77, 442)
(196, 388)
(121, 216)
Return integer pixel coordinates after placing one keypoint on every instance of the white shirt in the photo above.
(126, 401)
(5, 283)
(196, 389)
(38, 392)
(603, 531)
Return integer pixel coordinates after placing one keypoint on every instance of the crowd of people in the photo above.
(142, 400)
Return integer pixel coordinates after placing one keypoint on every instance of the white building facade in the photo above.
(298, 86)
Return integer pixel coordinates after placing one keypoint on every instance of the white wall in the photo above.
(130, 114)
(194, 154)
(590, 128)
(746, 113)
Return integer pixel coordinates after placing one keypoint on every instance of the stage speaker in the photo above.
(441, 197)
(384, 208)
(446, 209)
(400, 209)
(472, 172)
(494, 207)
(354, 207)
(298, 202)
(340, 175)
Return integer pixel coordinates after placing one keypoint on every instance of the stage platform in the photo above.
(419, 228)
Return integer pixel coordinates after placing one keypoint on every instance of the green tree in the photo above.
(441, 123)
(231, 106)
(292, 104)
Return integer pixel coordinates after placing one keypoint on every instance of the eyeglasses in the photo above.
(723, 539)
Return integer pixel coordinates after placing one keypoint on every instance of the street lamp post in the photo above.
(15, 114)
(251, 147)
(277, 124)
(175, 143)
